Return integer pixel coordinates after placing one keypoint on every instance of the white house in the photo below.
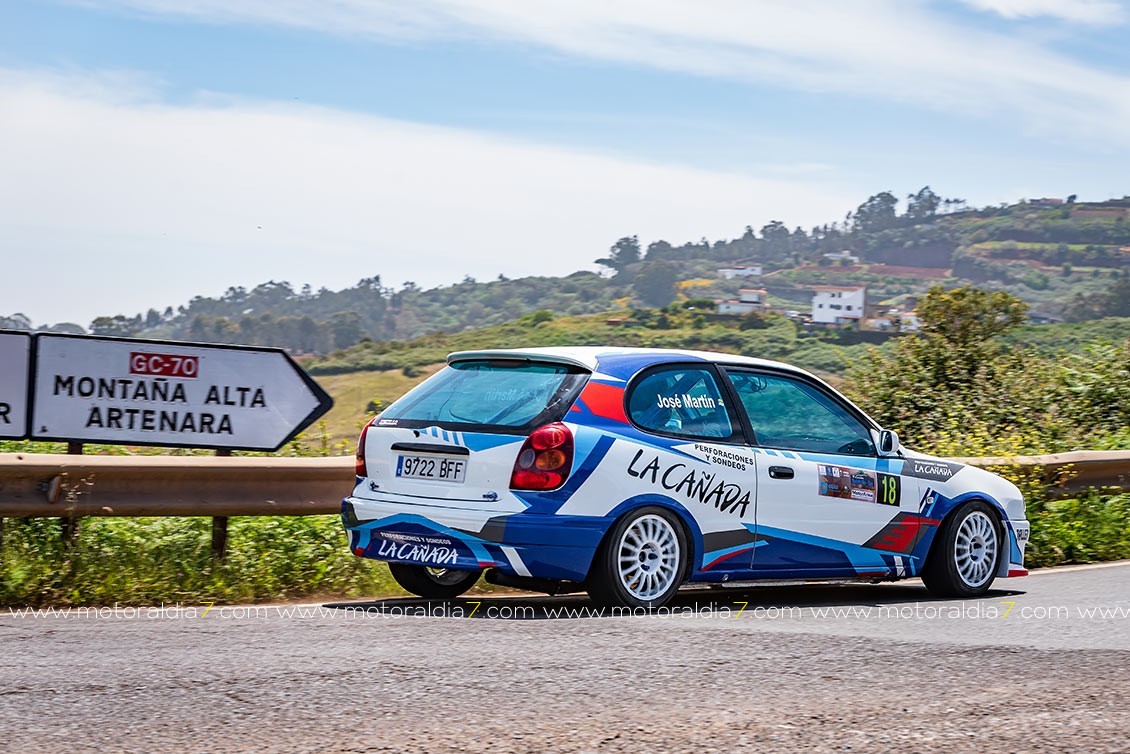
(836, 305)
(842, 256)
(741, 271)
(749, 300)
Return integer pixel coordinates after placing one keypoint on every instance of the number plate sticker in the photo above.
(434, 468)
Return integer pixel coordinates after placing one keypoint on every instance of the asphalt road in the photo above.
(854, 668)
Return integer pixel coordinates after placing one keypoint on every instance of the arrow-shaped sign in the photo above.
(144, 392)
(15, 363)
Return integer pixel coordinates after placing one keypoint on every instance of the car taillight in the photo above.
(545, 459)
(359, 460)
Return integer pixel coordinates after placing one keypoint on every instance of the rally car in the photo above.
(631, 472)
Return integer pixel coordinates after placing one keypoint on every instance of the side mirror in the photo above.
(888, 442)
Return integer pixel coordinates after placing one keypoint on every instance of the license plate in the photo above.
(435, 468)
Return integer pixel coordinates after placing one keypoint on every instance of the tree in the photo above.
(877, 213)
(346, 329)
(624, 252)
(955, 372)
(967, 318)
(16, 322)
(776, 240)
(655, 283)
(67, 328)
(657, 250)
(1113, 302)
(118, 325)
(923, 205)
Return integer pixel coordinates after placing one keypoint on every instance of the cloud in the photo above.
(113, 201)
(902, 50)
(1097, 12)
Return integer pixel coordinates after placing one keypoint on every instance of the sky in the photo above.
(156, 150)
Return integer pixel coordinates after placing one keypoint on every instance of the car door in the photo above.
(698, 458)
(827, 504)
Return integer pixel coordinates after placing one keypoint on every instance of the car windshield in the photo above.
(492, 393)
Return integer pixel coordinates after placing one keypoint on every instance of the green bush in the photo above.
(1092, 527)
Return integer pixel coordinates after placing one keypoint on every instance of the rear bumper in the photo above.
(546, 546)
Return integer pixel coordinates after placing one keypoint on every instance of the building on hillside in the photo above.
(749, 300)
(838, 305)
(740, 271)
(1040, 318)
(842, 256)
(879, 323)
(893, 319)
(1045, 202)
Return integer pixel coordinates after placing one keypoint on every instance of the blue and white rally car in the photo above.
(630, 472)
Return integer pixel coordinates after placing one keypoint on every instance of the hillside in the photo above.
(371, 375)
(1062, 257)
(770, 336)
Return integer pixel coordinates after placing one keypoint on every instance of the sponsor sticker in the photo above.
(858, 484)
(433, 551)
(706, 487)
(934, 470)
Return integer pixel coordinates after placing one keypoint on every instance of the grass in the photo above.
(149, 561)
(153, 560)
(353, 392)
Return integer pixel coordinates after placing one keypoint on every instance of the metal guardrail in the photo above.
(1069, 474)
(74, 486)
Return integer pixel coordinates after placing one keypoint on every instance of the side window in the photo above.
(683, 401)
(794, 415)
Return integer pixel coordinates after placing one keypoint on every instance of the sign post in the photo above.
(15, 367)
(143, 392)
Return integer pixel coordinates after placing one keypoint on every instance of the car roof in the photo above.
(618, 360)
(620, 364)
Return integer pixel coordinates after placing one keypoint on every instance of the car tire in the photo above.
(433, 583)
(641, 562)
(964, 557)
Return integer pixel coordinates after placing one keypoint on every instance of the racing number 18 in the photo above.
(889, 489)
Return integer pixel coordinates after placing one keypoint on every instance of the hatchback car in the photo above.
(630, 472)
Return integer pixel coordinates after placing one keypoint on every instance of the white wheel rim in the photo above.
(648, 557)
(975, 549)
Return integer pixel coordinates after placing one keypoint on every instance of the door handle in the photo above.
(781, 472)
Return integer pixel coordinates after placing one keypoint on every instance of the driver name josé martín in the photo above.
(693, 485)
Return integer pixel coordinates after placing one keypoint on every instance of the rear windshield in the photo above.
(503, 394)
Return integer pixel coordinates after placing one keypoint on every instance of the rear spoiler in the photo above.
(512, 355)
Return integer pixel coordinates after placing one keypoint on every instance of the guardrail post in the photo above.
(220, 525)
(68, 526)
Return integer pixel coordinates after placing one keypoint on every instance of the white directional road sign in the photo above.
(145, 392)
(15, 362)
